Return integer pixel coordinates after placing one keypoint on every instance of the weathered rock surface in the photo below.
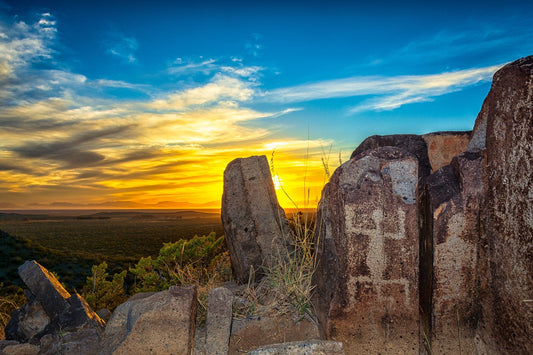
(411, 143)
(50, 310)
(256, 228)
(443, 146)
(250, 333)
(310, 347)
(449, 249)
(160, 323)
(21, 349)
(46, 288)
(367, 276)
(508, 110)
(218, 323)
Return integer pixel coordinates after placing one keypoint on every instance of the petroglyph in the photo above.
(376, 258)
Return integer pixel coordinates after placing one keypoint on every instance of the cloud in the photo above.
(221, 87)
(389, 92)
(122, 47)
(254, 46)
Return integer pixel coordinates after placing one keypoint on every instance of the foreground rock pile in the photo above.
(424, 245)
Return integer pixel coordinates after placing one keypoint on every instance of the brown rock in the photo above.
(256, 228)
(449, 252)
(411, 143)
(443, 146)
(367, 276)
(309, 347)
(218, 323)
(27, 322)
(250, 333)
(509, 142)
(162, 323)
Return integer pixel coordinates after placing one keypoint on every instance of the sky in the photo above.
(142, 104)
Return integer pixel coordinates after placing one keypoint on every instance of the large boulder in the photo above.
(411, 143)
(155, 323)
(256, 228)
(50, 309)
(451, 241)
(508, 112)
(444, 146)
(367, 244)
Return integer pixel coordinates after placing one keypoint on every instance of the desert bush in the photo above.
(198, 261)
(100, 292)
(11, 298)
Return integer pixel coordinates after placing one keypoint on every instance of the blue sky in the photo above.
(142, 104)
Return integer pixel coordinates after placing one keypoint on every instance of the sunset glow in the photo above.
(141, 105)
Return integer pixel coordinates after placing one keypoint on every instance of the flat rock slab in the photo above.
(250, 333)
(367, 235)
(256, 228)
(311, 347)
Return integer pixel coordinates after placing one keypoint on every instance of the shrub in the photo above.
(100, 292)
(198, 261)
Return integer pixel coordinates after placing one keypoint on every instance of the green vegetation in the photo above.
(100, 292)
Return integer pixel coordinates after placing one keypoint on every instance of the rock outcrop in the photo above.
(450, 244)
(50, 309)
(508, 111)
(367, 235)
(442, 147)
(256, 228)
(156, 323)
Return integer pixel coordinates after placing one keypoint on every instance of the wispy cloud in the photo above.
(122, 47)
(387, 92)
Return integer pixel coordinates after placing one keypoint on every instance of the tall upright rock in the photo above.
(256, 228)
(451, 242)
(367, 238)
(508, 112)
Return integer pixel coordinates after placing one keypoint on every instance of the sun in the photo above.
(277, 182)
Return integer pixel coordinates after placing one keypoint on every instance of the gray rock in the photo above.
(256, 228)
(51, 309)
(411, 143)
(21, 349)
(218, 323)
(47, 290)
(310, 347)
(367, 236)
(162, 323)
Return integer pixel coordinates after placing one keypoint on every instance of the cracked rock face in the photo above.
(367, 278)
(508, 112)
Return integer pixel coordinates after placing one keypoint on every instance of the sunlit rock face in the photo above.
(256, 228)
(367, 237)
(508, 112)
(444, 146)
